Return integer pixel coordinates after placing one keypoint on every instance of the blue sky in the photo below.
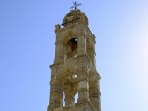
(27, 49)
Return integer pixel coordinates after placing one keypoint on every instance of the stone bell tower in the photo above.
(74, 69)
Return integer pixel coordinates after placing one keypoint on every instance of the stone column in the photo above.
(83, 91)
(59, 56)
(69, 96)
(69, 99)
(56, 96)
(81, 45)
(94, 95)
(91, 49)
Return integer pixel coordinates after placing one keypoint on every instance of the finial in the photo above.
(75, 5)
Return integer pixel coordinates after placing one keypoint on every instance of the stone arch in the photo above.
(70, 43)
(69, 35)
(67, 78)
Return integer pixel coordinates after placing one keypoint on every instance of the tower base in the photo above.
(83, 106)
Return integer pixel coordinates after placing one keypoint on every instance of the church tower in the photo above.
(74, 69)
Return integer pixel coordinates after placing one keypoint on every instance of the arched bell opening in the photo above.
(69, 78)
(71, 48)
(70, 96)
(70, 89)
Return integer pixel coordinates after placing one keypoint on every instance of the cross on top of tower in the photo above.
(75, 5)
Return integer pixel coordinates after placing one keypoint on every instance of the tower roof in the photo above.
(75, 16)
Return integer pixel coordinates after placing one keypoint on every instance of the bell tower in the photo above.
(74, 68)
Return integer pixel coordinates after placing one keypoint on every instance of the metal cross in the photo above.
(75, 5)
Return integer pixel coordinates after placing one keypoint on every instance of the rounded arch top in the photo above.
(70, 35)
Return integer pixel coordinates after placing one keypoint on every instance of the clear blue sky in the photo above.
(27, 49)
